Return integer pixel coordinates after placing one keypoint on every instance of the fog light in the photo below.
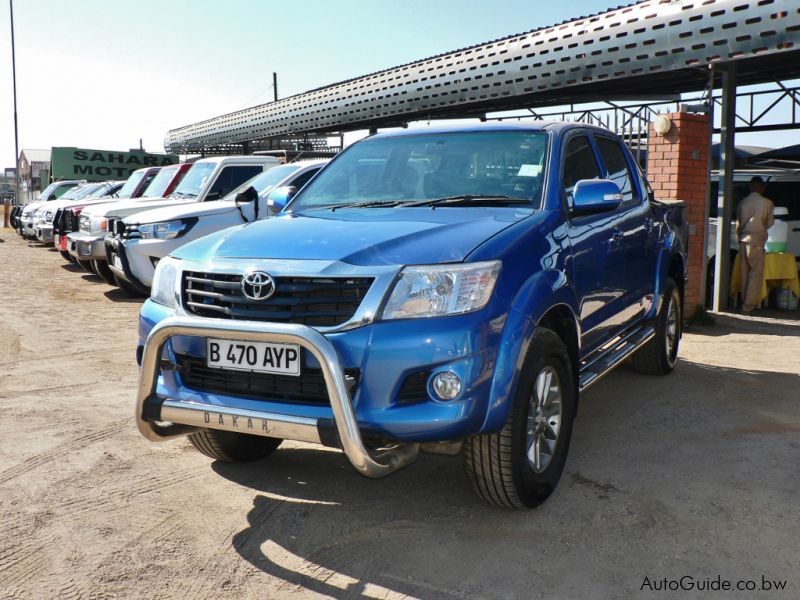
(446, 385)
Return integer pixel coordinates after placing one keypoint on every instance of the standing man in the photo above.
(754, 217)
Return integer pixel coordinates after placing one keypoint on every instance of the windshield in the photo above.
(130, 186)
(80, 191)
(264, 182)
(102, 190)
(160, 183)
(493, 165)
(48, 191)
(194, 180)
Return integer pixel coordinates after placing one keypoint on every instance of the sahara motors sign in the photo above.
(100, 165)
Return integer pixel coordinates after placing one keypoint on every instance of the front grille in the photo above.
(308, 388)
(313, 301)
(70, 221)
(57, 221)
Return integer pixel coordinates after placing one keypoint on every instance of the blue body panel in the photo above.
(549, 259)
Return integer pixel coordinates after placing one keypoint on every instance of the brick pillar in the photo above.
(677, 168)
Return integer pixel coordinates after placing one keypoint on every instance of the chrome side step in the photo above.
(622, 349)
(180, 418)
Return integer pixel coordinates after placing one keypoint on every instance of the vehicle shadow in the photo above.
(118, 295)
(320, 525)
(316, 524)
(71, 267)
(761, 322)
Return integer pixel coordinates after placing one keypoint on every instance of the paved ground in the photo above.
(695, 474)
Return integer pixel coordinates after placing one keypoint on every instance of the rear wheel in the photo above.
(65, 255)
(228, 446)
(659, 355)
(101, 268)
(519, 466)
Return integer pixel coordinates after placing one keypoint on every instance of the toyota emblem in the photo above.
(258, 286)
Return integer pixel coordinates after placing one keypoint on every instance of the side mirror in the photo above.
(595, 195)
(247, 195)
(278, 198)
(52, 197)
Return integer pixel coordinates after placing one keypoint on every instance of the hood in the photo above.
(181, 211)
(123, 208)
(374, 236)
(32, 207)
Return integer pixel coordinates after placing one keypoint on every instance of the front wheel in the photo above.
(659, 355)
(86, 265)
(228, 446)
(520, 465)
(101, 268)
(126, 287)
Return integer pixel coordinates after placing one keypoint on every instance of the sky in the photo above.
(100, 74)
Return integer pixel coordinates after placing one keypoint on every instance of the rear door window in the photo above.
(579, 163)
(617, 168)
(232, 177)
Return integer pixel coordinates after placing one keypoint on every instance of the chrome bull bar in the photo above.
(187, 417)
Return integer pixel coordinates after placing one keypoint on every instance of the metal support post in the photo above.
(709, 198)
(722, 268)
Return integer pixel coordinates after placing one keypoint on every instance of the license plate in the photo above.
(117, 261)
(264, 357)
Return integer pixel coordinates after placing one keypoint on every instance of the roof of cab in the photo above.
(558, 127)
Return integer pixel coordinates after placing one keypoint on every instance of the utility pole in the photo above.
(274, 86)
(17, 199)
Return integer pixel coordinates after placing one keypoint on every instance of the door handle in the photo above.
(796, 229)
(648, 223)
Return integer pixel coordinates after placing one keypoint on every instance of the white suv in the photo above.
(142, 239)
(207, 179)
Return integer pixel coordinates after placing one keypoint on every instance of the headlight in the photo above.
(92, 224)
(165, 282)
(433, 291)
(164, 231)
(98, 224)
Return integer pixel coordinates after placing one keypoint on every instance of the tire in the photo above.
(498, 464)
(65, 255)
(101, 268)
(86, 265)
(127, 287)
(658, 356)
(228, 446)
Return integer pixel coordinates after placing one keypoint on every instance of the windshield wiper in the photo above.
(469, 198)
(365, 204)
(180, 195)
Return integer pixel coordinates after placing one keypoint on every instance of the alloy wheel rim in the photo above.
(671, 337)
(544, 420)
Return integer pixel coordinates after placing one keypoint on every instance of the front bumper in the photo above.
(386, 354)
(83, 246)
(159, 419)
(44, 232)
(27, 227)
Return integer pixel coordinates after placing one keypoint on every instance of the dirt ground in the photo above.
(696, 474)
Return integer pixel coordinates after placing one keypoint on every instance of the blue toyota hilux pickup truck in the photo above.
(450, 290)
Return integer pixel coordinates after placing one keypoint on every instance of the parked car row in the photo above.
(120, 230)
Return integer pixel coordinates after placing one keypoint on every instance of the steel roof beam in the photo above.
(661, 46)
